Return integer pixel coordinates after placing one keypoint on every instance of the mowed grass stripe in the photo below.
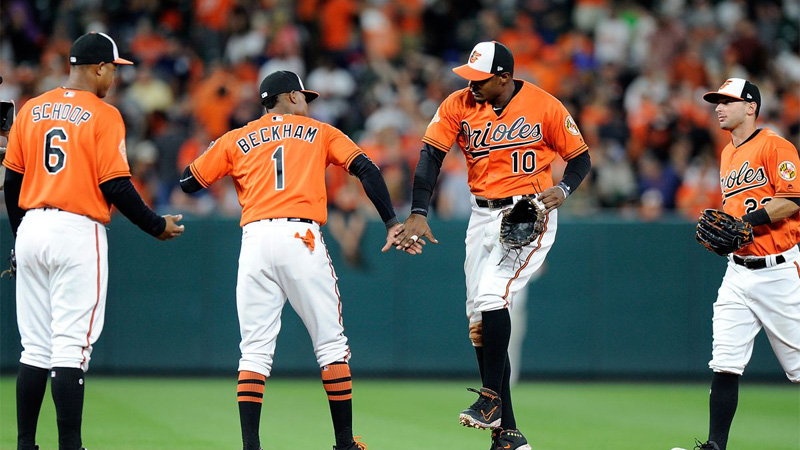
(202, 414)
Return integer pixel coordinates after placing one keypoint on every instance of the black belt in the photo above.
(755, 262)
(291, 219)
(494, 204)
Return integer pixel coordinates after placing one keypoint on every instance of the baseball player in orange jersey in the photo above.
(761, 287)
(510, 131)
(66, 165)
(278, 163)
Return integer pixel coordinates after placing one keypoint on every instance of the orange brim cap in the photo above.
(471, 74)
(713, 96)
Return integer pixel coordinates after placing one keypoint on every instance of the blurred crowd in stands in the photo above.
(632, 74)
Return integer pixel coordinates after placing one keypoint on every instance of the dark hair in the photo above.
(270, 102)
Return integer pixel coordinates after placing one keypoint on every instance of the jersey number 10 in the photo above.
(526, 161)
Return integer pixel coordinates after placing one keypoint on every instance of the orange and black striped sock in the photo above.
(338, 385)
(250, 392)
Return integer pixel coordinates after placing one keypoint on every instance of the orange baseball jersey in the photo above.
(66, 143)
(277, 163)
(752, 174)
(509, 154)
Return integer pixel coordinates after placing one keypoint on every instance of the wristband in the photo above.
(564, 188)
(757, 217)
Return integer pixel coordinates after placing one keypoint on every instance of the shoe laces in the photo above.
(359, 445)
(703, 446)
(485, 398)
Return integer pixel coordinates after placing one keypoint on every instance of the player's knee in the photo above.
(476, 333)
(332, 352)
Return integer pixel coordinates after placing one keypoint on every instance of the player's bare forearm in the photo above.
(781, 208)
(552, 198)
(410, 239)
(172, 230)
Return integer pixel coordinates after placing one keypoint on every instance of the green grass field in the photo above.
(201, 414)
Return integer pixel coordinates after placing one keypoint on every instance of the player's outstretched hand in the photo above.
(391, 237)
(552, 198)
(410, 239)
(172, 230)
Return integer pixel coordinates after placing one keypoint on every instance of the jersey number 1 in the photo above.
(277, 155)
(54, 156)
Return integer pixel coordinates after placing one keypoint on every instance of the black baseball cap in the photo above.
(737, 89)
(283, 82)
(486, 60)
(94, 48)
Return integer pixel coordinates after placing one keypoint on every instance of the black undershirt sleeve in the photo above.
(121, 193)
(576, 170)
(375, 187)
(12, 186)
(430, 163)
(189, 183)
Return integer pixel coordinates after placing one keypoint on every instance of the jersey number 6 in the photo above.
(54, 156)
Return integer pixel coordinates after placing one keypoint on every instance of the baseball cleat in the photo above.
(353, 446)
(508, 440)
(710, 445)
(485, 412)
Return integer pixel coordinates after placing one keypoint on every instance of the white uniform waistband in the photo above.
(763, 262)
(495, 203)
(60, 213)
(297, 220)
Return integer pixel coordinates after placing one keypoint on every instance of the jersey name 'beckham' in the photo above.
(60, 111)
(276, 133)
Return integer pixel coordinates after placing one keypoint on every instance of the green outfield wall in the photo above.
(616, 299)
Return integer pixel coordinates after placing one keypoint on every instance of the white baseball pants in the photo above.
(62, 276)
(494, 276)
(275, 265)
(751, 299)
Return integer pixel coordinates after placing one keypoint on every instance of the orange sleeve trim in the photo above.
(198, 176)
(787, 195)
(576, 152)
(350, 158)
(112, 175)
(435, 143)
(14, 167)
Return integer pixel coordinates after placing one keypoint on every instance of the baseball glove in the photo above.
(11, 271)
(722, 233)
(521, 224)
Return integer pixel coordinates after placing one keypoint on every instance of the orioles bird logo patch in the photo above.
(122, 149)
(787, 170)
(571, 127)
(474, 57)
